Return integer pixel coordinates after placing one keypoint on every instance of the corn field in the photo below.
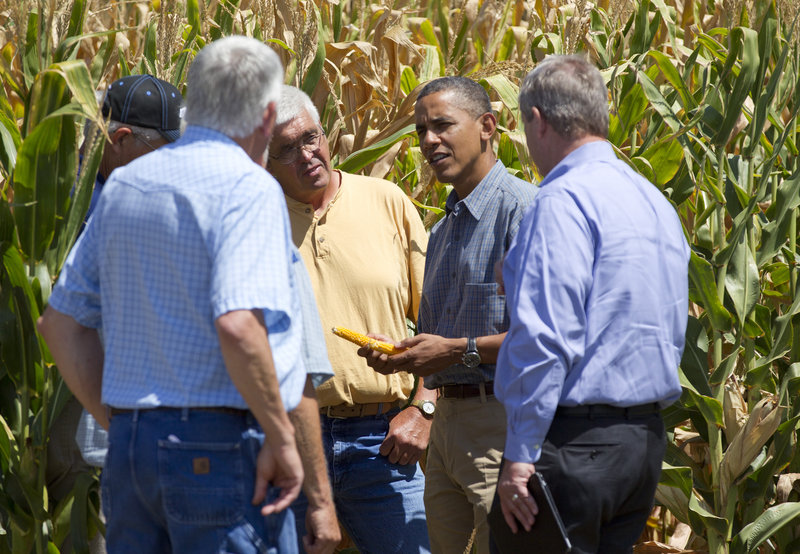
(704, 97)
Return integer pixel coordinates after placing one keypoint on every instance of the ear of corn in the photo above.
(364, 340)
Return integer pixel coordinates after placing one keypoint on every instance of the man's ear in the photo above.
(117, 136)
(268, 120)
(540, 123)
(488, 126)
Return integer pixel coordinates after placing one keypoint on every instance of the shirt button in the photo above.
(308, 210)
(321, 240)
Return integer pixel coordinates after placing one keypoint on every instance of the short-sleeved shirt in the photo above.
(180, 237)
(365, 254)
(460, 297)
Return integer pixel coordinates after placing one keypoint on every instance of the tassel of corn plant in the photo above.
(364, 340)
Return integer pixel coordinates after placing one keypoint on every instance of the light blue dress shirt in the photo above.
(180, 237)
(459, 293)
(597, 285)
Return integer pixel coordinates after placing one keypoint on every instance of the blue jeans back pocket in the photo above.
(202, 483)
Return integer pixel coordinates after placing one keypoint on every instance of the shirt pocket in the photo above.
(203, 483)
(483, 311)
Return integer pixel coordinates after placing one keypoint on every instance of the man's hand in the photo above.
(282, 468)
(424, 355)
(407, 438)
(322, 529)
(515, 499)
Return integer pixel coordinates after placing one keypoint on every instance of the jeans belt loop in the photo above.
(482, 388)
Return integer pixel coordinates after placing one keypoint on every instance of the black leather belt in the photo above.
(605, 410)
(465, 391)
(214, 409)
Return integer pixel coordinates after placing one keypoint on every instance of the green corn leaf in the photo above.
(459, 52)
(67, 51)
(703, 520)
(765, 526)
(711, 408)
(10, 139)
(32, 55)
(101, 60)
(674, 500)
(658, 102)
(644, 28)
(744, 41)
(775, 233)
(678, 477)
(742, 279)
(431, 64)
(665, 158)
(45, 173)
(674, 78)
(358, 160)
(766, 39)
(148, 63)
(703, 290)
(81, 198)
(408, 81)
(506, 90)
(694, 363)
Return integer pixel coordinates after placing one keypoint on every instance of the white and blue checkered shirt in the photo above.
(180, 237)
(459, 293)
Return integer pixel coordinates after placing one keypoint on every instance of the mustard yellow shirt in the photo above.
(365, 255)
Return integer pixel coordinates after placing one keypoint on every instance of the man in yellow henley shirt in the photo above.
(363, 244)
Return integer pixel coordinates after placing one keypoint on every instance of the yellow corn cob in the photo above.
(364, 340)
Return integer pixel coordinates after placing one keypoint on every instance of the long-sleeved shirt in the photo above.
(598, 297)
(180, 237)
(460, 297)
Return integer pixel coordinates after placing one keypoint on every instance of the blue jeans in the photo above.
(378, 503)
(182, 480)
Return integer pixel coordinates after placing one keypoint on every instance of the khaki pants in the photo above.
(467, 441)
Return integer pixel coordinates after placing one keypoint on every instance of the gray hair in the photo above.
(471, 96)
(146, 133)
(230, 84)
(570, 94)
(292, 102)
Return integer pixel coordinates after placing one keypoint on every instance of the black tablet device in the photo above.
(547, 533)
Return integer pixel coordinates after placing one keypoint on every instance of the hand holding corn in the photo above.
(364, 340)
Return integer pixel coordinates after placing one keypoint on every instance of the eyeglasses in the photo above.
(289, 153)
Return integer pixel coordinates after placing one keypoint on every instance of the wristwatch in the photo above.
(471, 358)
(425, 406)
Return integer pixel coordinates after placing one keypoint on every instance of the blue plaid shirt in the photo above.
(459, 293)
(180, 237)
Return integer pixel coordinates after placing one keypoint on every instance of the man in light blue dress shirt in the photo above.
(185, 265)
(597, 289)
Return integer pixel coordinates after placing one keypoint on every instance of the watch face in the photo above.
(428, 407)
(471, 359)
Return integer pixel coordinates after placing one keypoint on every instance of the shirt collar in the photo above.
(479, 200)
(589, 152)
(197, 133)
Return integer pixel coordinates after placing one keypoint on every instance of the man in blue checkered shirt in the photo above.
(462, 317)
(185, 267)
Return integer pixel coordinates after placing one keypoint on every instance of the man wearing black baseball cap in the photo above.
(145, 114)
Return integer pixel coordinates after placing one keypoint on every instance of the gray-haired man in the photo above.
(185, 264)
